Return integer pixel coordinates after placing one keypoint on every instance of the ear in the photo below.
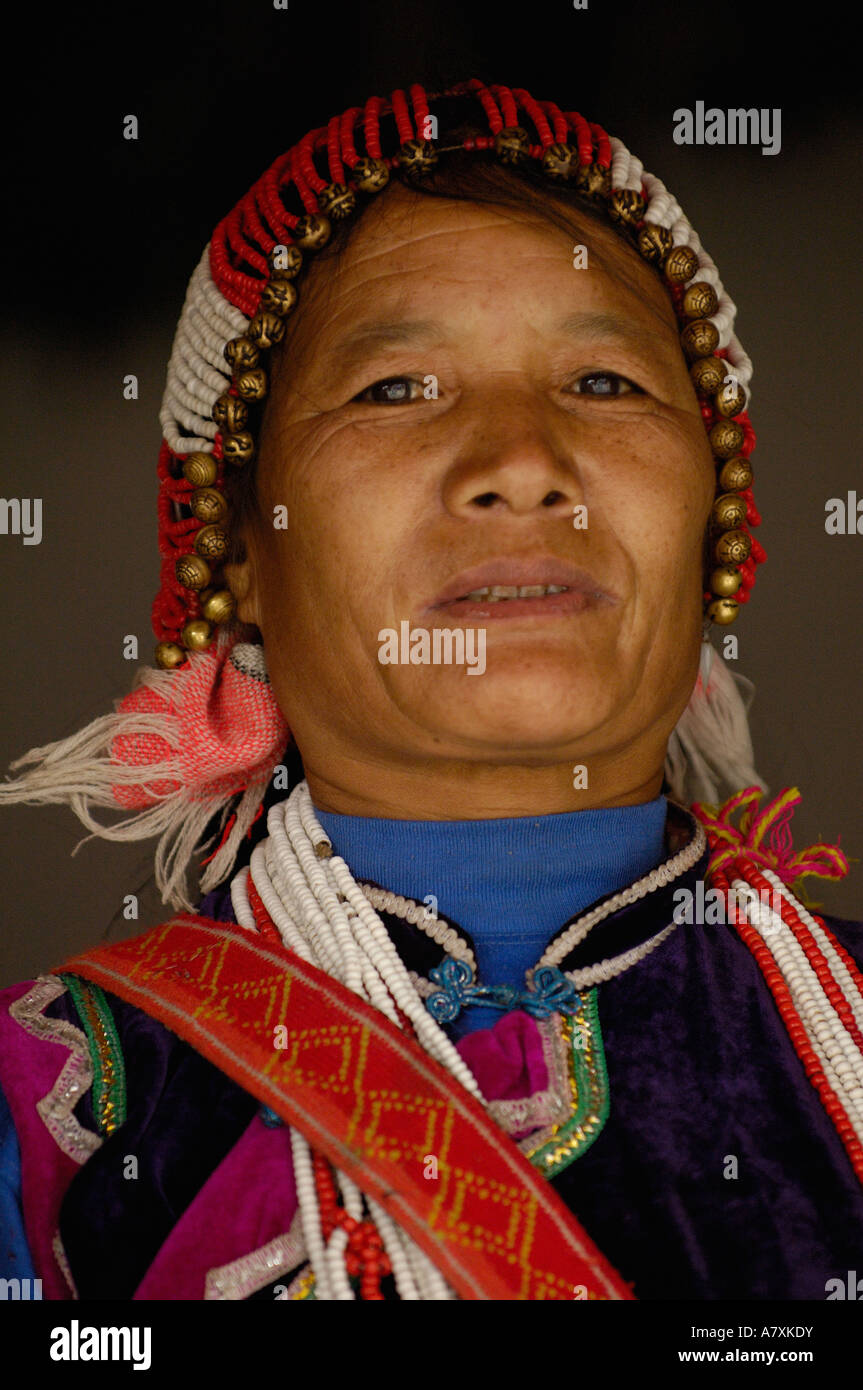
(242, 581)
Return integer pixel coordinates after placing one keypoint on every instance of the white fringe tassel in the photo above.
(709, 755)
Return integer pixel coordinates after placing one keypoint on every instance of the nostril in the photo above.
(551, 497)
(486, 499)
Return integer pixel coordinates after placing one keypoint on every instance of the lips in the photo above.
(512, 587)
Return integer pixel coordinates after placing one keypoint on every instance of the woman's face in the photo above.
(452, 395)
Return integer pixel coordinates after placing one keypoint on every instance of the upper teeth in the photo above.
(495, 592)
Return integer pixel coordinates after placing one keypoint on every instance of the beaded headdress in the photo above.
(202, 728)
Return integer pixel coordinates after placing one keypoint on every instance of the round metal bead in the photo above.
(169, 656)
(594, 180)
(242, 353)
(654, 242)
(337, 201)
(238, 449)
(699, 338)
(560, 161)
(279, 295)
(209, 505)
(266, 328)
(700, 301)
(726, 438)
(626, 206)
(211, 542)
(733, 548)
(417, 156)
(735, 474)
(708, 374)
(312, 232)
(285, 259)
(723, 611)
(219, 606)
(197, 635)
(370, 175)
(231, 413)
(201, 470)
(725, 582)
(251, 383)
(680, 265)
(192, 572)
(512, 145)
(730, 399)
(729, 511)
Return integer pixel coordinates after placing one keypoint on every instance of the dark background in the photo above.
(103, 233)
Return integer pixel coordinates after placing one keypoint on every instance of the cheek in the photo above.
(656, 485)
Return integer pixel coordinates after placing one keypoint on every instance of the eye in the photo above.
(605, 384)
(392, 390)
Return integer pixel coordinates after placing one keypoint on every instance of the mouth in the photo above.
(513, 588)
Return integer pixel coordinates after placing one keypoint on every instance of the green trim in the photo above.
(106, 1053)
(589, 1081)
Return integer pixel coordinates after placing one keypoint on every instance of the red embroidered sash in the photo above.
(368, 1098)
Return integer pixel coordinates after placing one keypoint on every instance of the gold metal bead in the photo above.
(626, 206)
(231, 413)
(266, 329)
(654, 243)
(708, 374)
(723, 611)
(193, 572)
(201, 470)
(312, 232)
(680, 265)
(238, 449)
(733, 548)
(370, 175)
(700, 301)
(242, 353)
(417, 156)
(286, 261)
(219, 606)
(337, 201)
(730, 399)
(212, 542)
(197, 635)
(699, 338)
(512, 145)
(279, 295)
(735, 474)
(251, 383)
(726, 438)
(593, 180)
(209, 505)
(728, 512)
(725, 581)
(169, 656)
(560, 161)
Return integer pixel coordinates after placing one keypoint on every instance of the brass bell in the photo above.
(725, 582)
(212, 542)
(285, 259)
(219, 606)
(370, 175)
(723, 611)
(266, 329)
(680, 265)
(251, 383)
(626, 206)
(242, 353)
(730, 399)
(733, 548)
(728, 512)
(560, 161)
(279, 295)
(512, 145)
(735, 474)
(594, 180)
(201, 470)
(417, 156)
(231, 413)
(654, 242)
(209, 505)
(700, 301)
(169, 656)
(238, 449)
(197, 635)
(708, 374)
(192, 572)
(312, 232)
(726, 438)
(699, 338)
(337, 201)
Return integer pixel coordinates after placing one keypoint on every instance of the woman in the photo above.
(467, 1022)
